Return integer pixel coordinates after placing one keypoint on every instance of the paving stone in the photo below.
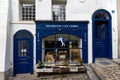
(76, 76)
(106, 71)
(102, 69)
(116, 61)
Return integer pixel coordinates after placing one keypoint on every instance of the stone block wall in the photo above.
(118, 10)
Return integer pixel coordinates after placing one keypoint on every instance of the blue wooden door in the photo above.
(102, 34)
(101, 39)
(23, 53)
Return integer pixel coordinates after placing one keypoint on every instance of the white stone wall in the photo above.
(118, 11)
(43, 9)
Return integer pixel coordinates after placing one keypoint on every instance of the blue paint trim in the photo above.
(109, 32)
(46, 28)
(15, 49)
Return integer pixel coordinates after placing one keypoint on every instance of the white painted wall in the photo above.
(4, 32)
(15, 10)
(43, 10)
(114, 29)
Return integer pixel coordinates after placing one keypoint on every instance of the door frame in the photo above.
(15, 48)
(109, 55)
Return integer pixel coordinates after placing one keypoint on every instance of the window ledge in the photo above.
(23, 22)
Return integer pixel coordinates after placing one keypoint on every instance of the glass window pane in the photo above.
(48, 55)
(62, 41)
(62, 54)
(101, 15)
(102, 31)
(75, 54)
(28, 9)
(23, 34)
(48, 42)
(61, 48)
(75, 42)
(23, 48)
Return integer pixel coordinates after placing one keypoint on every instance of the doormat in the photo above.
(105, 63)
(102, 64)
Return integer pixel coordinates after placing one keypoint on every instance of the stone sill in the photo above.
(23, 22)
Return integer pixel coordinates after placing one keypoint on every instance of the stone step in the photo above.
(91, 73)
(117, 61)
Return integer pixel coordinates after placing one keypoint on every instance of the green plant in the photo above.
(40, 64)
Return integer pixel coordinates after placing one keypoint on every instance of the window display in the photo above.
(49, 57)
(58, 48)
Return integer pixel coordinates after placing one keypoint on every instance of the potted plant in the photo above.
(40, 65)
(40, 68)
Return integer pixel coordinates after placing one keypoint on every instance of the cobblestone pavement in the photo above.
(106, 69)
(102, 69)
(77, 76)
(116, 61)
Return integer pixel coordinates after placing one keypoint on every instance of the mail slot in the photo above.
(23, 62)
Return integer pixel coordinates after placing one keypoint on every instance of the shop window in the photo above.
(75, 48)
(60, 47)
(27, 10)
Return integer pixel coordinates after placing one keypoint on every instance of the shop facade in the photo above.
(66, 38)
(56, 30)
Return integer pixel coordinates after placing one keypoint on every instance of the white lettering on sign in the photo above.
(38, 37)
(62, 25)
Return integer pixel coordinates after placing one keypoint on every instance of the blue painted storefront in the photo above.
(46, 28)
